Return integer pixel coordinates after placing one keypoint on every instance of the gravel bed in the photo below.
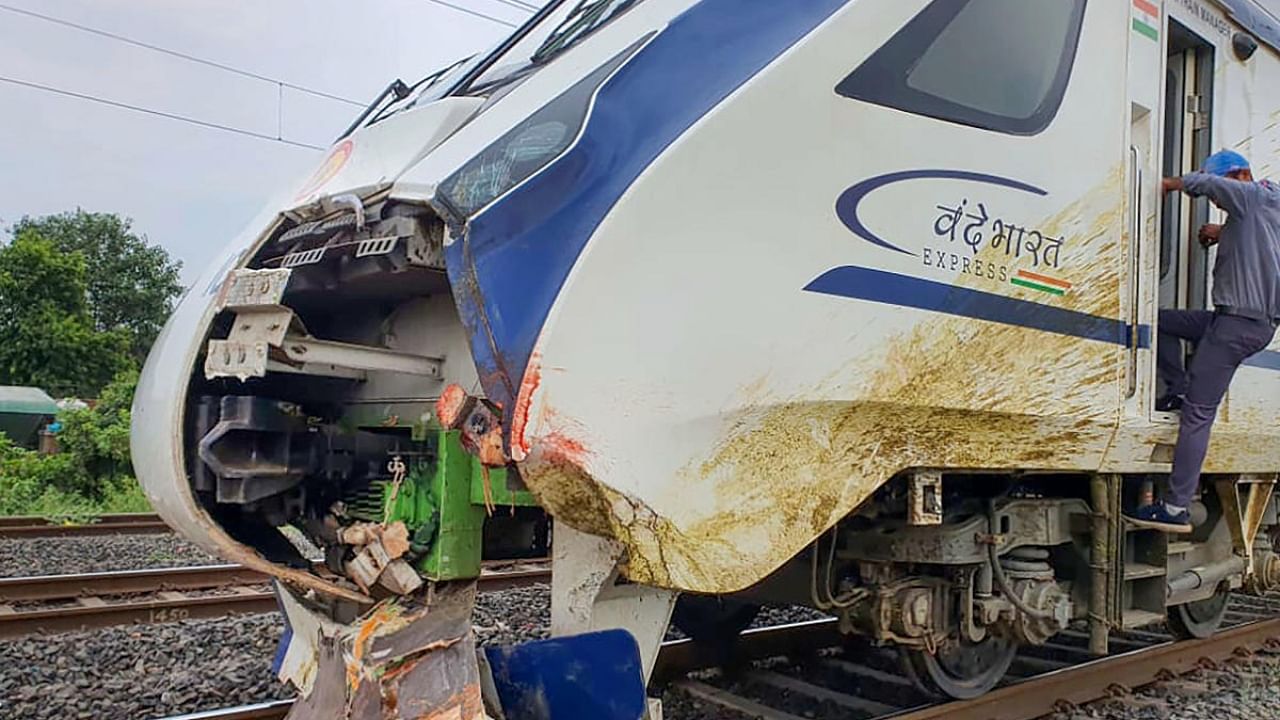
(1245, 689)
(513, 616)
(132, 673)
(786, 614)
(153, 671)
(677, 705)
(60, 556)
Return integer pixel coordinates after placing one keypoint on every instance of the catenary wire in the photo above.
(175, 53)
(159, 113)
(518, 4)
(469, 11)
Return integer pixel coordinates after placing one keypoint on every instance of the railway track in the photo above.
(63, 603)
(867, 684)
(122, 524)
(260, 711)
(790, 673)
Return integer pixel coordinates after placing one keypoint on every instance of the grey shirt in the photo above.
(1246, 279)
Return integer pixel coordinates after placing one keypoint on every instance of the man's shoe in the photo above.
(1169, 403)
(1157, 517)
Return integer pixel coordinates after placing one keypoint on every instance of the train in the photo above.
(848, 304)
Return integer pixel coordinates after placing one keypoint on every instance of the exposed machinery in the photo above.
(843, 304)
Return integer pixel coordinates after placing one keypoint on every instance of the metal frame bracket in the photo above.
(924, 489)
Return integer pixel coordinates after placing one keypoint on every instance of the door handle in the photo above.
(1135, 264)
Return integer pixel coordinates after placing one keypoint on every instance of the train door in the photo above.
(1171, 71)
(1188, 109)
(1183, 264)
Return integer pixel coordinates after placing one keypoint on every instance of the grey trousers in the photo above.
(1223, 342)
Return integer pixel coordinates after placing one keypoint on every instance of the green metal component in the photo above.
(458, 488)
(442, 502)
(500, 490)
(458, 546)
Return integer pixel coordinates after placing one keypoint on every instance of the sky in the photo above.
(192, 189)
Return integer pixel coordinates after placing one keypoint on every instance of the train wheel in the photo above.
(1198, 619)
(960, 669)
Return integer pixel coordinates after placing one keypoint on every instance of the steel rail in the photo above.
(260, 711)
(12, 520)
(121, 524)
(1045, 694)
(242, 601)
(164, 602)
(35, 588)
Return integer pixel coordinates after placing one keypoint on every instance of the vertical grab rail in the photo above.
(1135, 268)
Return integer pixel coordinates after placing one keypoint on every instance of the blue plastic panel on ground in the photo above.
(595, 676)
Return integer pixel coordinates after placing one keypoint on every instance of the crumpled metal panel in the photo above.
(405, 659)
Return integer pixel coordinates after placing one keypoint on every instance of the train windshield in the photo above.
(562, 27)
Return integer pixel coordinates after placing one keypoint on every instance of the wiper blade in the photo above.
(396, 88)
(585, 19)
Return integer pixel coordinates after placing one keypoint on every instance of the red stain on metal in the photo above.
(520, 413)
(560, 447)
(450, 406)
(488, 447)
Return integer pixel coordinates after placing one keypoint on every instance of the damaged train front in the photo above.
(287, 421)
(322, 407)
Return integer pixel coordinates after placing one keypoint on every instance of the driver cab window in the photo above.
(1001, 65)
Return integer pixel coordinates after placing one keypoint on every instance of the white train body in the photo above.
(726, 267)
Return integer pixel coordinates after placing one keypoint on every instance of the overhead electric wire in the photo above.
(177, 54)
(158, 113)
(477, 13)
(518, 4)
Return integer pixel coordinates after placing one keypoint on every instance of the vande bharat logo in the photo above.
(332, 165)
(970, 235)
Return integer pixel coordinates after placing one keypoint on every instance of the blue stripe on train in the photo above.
(903, 290)
(1267, 359)
(889, 288)
(516, 255)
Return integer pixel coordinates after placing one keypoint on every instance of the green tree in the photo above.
(131, 284)
(47, 336)
(98, 437)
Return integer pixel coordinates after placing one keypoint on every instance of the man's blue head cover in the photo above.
(1224, 162)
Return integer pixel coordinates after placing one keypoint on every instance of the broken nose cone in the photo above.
(416, 658)
(409, 657)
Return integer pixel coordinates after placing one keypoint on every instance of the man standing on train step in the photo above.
(1246, 298)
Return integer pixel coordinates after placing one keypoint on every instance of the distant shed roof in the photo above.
(21, 400)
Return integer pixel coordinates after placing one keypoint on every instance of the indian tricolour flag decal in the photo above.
(1043, 283)
(1146, 19)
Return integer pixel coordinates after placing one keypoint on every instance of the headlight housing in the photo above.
(527, 148)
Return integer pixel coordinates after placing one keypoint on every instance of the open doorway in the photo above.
(1188, 141)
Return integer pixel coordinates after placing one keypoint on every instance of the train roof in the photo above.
(1257, 18)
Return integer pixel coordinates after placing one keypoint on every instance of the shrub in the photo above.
(91, 475)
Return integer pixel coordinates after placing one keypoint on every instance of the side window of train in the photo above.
(1001, 65)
